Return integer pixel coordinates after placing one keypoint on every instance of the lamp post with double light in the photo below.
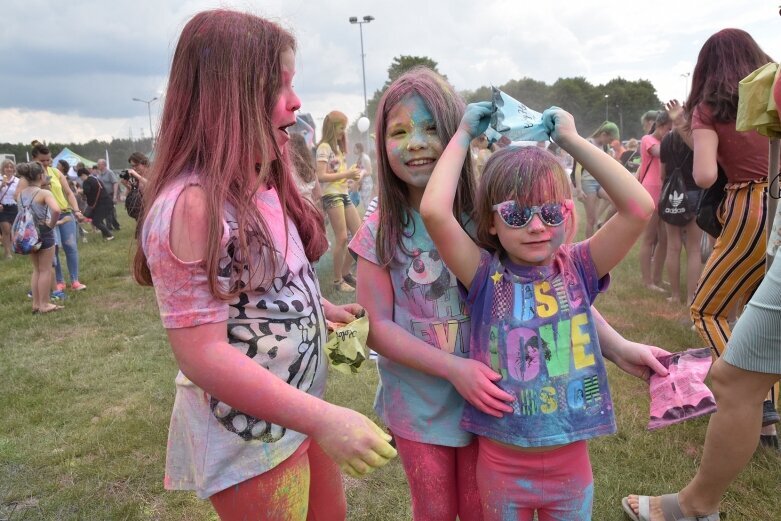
(149, 111)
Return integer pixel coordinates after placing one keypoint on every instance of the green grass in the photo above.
(86, 395)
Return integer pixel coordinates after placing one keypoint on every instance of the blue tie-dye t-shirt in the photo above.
(427, 303)
(533, 325)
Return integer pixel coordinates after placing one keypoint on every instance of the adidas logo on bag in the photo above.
(675, 200)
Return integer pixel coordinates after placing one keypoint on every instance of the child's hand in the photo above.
(354, 442)
(343, 314)
(560, 125)
(476, 118)
(475, 382)
(639, 360)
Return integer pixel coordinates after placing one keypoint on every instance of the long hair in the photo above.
(337, 140)
(529, 175)
(225, 79)
(301, 157)
(447, 108)
(726, 58)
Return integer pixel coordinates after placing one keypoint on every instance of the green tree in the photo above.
(399, 66)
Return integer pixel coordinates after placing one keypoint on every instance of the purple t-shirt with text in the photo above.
(533, 325)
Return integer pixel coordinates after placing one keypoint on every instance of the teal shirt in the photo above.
(427, 303)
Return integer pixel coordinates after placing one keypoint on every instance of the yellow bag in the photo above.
(346, 347)
(756, 107)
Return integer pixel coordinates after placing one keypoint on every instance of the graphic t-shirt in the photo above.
(427, 303)
(277, 321)
(533, 325)
(334, 163)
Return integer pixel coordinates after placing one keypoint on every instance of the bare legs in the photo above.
(739, 395)
(41, 280)
(5, 228)
(688, 237)
(342, 218)
(653, 251)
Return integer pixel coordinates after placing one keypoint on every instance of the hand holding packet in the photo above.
(513, 120)
(346, 346)
(682, 394)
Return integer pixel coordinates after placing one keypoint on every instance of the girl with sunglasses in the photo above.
(529, 294)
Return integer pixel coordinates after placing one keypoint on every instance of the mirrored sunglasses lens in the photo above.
(552, 214)
(512, 215)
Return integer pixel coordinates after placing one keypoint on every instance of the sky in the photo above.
(69, 70)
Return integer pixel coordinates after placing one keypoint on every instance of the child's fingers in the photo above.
(657, 367)
(499, 393)
(495, 404)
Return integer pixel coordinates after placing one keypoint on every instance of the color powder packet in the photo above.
(513, 120)
(682, 394)
(346, 347)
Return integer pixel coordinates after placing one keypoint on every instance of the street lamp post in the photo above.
(606, 97)
(366, 20)
(685, 76)
(149, 111)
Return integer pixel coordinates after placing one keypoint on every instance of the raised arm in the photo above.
(613, 241)
(455, 246)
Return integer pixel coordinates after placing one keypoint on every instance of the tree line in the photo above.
(118, 150)
(622, 100)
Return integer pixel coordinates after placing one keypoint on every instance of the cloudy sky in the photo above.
(69, 70)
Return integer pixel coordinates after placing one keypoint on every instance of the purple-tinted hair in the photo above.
(447, 108)
(530, 175)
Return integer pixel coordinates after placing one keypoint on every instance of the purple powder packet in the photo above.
(681, 395)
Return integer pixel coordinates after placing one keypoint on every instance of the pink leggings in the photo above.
(441, 480)
(306, 486)
(558, 483)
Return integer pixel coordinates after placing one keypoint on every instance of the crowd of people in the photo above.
(480, 302)
(80, 198)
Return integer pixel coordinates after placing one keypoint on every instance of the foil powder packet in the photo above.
(681, 395)
(513, 120)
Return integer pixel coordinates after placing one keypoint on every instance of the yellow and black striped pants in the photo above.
(736, 266)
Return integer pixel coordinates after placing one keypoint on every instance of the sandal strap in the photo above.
(671, 510)
(644, 508)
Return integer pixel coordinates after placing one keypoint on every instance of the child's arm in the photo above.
(354, 442)
(472, 379)
(54, 208)
(636, 359)
(455, 246)
(614, 240)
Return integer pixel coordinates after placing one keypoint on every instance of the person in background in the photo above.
(333, 174)
(46, 212)
(653, 248)
(66, 232)
(8, 207)
(303, 162)
(99, 200)
(366, 185)
(111, 182)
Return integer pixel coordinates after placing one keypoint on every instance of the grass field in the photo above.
(86, 395)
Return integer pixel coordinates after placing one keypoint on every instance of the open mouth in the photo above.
(284, 128)
(420, 162)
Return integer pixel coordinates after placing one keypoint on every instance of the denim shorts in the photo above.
(336, 201)
(589, 186)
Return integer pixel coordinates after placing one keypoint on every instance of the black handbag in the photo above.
(708, 207)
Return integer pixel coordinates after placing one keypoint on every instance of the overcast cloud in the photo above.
(69, 70)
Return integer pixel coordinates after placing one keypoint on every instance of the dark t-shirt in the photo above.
(674, 152)
(631, 160)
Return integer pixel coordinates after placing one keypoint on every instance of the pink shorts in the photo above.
(557, 484)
